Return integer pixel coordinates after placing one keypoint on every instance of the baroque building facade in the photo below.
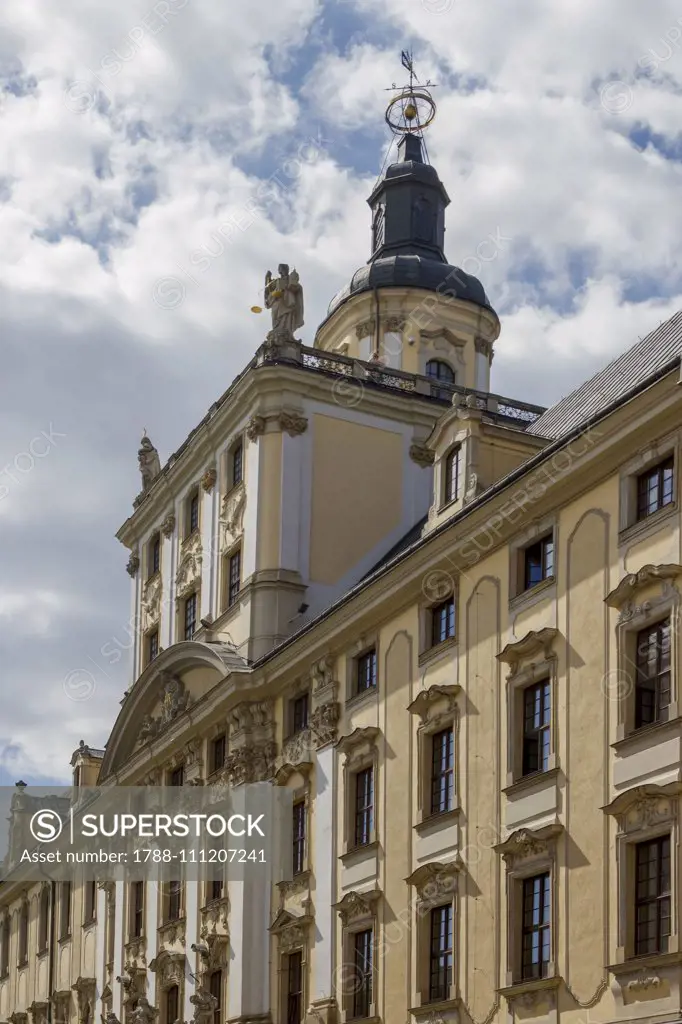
(448, 622)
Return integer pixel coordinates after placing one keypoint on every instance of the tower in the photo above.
(408, 307)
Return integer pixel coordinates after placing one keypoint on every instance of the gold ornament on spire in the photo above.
(412, 108)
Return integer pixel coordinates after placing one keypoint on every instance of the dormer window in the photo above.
(451, 475)
(437, 369)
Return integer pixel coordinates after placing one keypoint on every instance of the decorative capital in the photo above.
(485, 347)
(394, 323)
(208, 479)
(422, 455)
(255, 427)
(292, 422)
(364, 329)
(133, 565)
(168, 525)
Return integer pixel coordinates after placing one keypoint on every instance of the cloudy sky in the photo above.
(130, 132)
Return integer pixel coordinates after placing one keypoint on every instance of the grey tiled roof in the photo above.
(621, 375)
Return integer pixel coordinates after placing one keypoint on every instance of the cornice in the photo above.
(638, 794)
(634, 582)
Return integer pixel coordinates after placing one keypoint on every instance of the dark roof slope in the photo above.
(613, 382)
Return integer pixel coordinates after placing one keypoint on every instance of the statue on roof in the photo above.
(284, 299)
(150, 464)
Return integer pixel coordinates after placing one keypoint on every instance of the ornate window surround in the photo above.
(427, 650)
(170, 970)
(301, 794)
(528, 852)
(531, 660)
(628, 524)
(435, 885)
(293, 936)
(642, 599)
(358, 913)
(437, 709)
(643, 813)
(518, 597)
(363, 645)
(361, 751)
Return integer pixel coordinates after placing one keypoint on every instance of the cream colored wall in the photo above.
(270, 491)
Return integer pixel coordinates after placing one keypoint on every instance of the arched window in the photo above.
(43, 919)
(451, 481)
(23, 934)
(439, 370)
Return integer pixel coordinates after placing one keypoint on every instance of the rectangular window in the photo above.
(655, 488)
(234, 578)
(442, 621)
(172, 1004)
(237, 464)
(218, 748)
(294, 987)
(537, 712)
(535, 947)
(177, 776)
(440, 959)
(652, 896)
(153, 646)
(451, 483)
(136, 909)
(299, 714)
(364, 806)
(174, 906)
(90, 902)
(652, 678)
(4, 944)
(362, 974)
(366, 671)
(215, 987)
(154, 555)
(442, 771)
(190, 616)
(65, 910)
(299, 815)
(193, 513)
(215, 889)
(538, 562)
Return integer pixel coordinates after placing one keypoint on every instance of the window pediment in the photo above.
(358, 906)
(358, 744)
(435, 882)
(434, 702)
(631, 586)
(532, 644)
(287, 770)
(526, 845)
(644, 806)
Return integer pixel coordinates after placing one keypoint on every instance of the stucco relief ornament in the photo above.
(168, 525)
(149, 462)
(473, 488)
(109, 1018)
(209, 478)
(422, 455)
(232, 515)
(284, 299)
(143, 1012)
(204, 1004)
(133, 564)
(189, 569)
(174, 699)
(151, 601)
(293, 423)
(255, 427)
(323, 723)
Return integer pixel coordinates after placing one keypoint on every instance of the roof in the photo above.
(614, 381)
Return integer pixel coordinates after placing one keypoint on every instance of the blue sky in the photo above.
(127, 142)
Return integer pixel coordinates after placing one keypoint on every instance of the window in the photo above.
(535, 945)
(65, 910)
(152, 646)
(655, 488)
(90, 902)
(218, 747)
(451, 480)
(234, 577)
(652, 896)
(299, 816)
(190, 616)
(154, 563)
(364, 806)
(192, 513)
(172, 1004)
(43, 919)
(23, 935)
(215, 987)
(438, 370)
(442, 621)
(215, 889)
(299, 714)
(174, 907)
(538, 562)
(440, 959)
(442, 771)
(366, 671)
(294, 987)
(177, 776)
(362, 974)
(136, 909)
(237, 464)
(4, 946)
(652, 675)
(537, 713)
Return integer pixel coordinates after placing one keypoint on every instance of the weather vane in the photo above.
(413, 109)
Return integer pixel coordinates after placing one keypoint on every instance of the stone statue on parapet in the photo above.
(150, 464)
(284, 299)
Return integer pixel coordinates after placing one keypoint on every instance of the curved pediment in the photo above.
(178, 678)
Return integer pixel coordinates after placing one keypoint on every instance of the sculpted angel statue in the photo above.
(150, 464)
(284, 299)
